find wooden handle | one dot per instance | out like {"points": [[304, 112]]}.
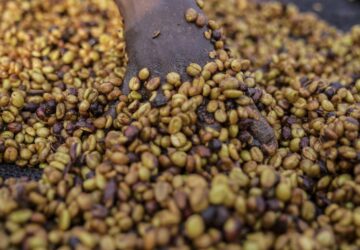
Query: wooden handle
{"points": [[133, 11]]}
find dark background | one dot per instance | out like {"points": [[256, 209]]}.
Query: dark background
{"points": [[341, 13]]}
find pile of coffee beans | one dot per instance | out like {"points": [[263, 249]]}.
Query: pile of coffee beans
{"points": [[119, 173]]}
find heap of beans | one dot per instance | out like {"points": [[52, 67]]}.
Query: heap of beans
{"points": [[122, 174]]}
